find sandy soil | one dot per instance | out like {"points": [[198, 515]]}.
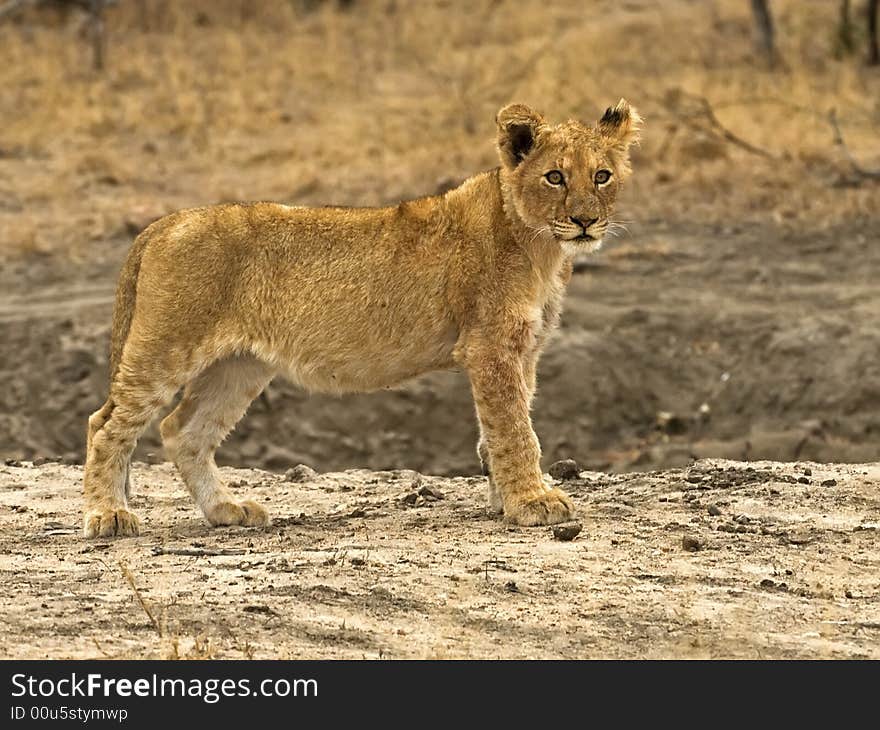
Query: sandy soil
{"points": [[721, 559]]}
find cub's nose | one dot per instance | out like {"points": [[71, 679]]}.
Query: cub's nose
{"points": [[584, 223]]}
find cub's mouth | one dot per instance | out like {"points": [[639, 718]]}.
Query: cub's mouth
{"points": [[583, 243], [578, 232]]}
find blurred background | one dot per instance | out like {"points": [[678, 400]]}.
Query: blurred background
{"points": [[739, 317]]}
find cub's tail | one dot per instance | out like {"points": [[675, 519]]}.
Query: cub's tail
{"points": [[123, 309]]}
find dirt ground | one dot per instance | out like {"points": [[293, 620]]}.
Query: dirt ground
{"points": [[721, 559], [680, 342]]}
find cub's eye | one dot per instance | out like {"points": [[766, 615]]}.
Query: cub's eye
{"points": [[602, 177], [554, 177]]}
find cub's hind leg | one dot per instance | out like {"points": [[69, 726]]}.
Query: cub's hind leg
{"points": [[96, 421], [113, 432], [211, 406]]}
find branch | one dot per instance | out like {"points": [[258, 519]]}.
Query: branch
{"points": [[727, 134], [677, 101], [126, 572], [195, 552], [860, 171]]}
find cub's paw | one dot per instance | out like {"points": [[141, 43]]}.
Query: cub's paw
{"points": [[547, 508], [246, 514], [111, 523]]}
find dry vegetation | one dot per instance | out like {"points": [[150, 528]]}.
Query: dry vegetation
{"points": [[205, 101]]}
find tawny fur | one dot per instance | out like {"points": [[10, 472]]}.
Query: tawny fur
{"points": [[219, 300]]}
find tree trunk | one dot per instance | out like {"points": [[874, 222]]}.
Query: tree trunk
{"points": [[873, 50], [96, 24], [765, 36], [844, 41]]}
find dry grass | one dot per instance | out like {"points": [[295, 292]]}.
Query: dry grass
{"points": [[386, 100]]}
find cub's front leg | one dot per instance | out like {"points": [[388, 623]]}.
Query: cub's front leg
{"points": [[502, 395]]}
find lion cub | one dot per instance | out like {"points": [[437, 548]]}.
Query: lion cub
{"points": [[220, 300]]}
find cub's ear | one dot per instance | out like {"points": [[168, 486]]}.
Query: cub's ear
{"points": [[620, 125], [518, 130]]}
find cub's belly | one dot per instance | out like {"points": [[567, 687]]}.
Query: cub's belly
{"points": [[357, 361]]}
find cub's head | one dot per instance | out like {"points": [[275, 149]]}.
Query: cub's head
{"points": [[564, 179]]}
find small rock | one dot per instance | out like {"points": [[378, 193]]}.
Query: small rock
{"points": [[430, 493], [773, 585], [40, 460], [567, 531], [410, 498], [12, 462], [300, 473], [357, 561], [803, 480], [713, 510], [829, 483], [565, 469], [511, 587], [807, 471], [691, 543], [799, 537], [259, 608]]}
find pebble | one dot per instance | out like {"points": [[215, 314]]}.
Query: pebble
{"points": [[565, 469], [430, 493], [691, 544], [300, 473], [713, 510], [567, 531]]}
